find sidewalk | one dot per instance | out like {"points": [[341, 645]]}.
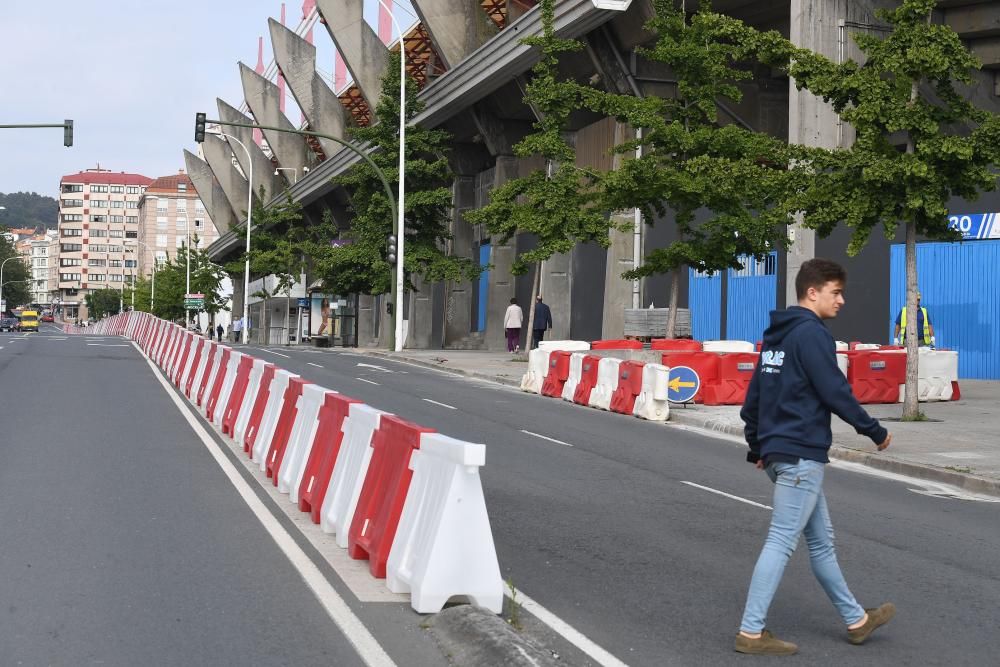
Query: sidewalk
{"points": [[960, 447]]}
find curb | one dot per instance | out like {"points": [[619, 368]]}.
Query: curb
{"points": [[973, 483], [472, 636]]}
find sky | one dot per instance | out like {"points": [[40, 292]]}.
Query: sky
{"points": [[131, 75]]}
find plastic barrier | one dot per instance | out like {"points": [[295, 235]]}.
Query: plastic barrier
{"points": [[175, 353], [676, 344], [237, 395], [538, 368], [616, 345], [728, 346], [186, 370], [564, 345], [260, 376], [218, 381], [629, 387], [350, 471], [182, 360], [275, 454], [323, 455], [651, 403], [169, 333], [588, 379], [197, 368], [386, 485], [300, 440], [843, 361], [260, 439], [705, 364], [937, 375], [573, 379], [735, 373], [875, 376], [607, 383], [216, 407], [841, 346], [213, 357], [443, 545], [557, 375], [855, 345]]}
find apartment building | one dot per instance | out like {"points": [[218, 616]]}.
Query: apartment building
{"points": [[98, 213], [44, 269], [170, 213]]}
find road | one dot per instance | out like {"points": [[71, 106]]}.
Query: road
{"points": [[120, 525]]}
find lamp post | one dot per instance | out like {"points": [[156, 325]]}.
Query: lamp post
{"points": [[295, 170], [152, 296], [1, 273]]}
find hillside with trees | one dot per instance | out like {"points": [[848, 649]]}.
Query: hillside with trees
{"points": [[28, 209]]}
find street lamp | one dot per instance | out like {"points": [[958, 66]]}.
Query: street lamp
{"points": [[305, 170], [152, 296], [1, 273]]}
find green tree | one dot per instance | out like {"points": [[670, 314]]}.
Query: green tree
{"points": [[16, 276], [103, 302], [29, 210], [919, 142], [171, 283], [143, 289], [559, 205], [692, 164]]}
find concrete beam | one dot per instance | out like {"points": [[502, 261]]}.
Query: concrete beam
{"points": [[263, 168], [297, 60], [498, 134], [457, 27], [974, 21], [290, 150], [233, 183], [210, 192], [987, 50], [364, 53]]}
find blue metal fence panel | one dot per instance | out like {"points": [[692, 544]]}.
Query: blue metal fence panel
{"points": [[751, 295], [484, 286], [958, 284], [705, 303]]}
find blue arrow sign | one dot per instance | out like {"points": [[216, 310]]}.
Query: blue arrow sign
{"points": [[682, 384]]}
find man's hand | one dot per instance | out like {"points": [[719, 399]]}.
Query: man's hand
{"points": [[885, 445], [759, 465], [895, 341]]}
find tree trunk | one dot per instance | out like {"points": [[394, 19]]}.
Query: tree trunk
{"points": [[288, 318], [531, 308], [911, 405], [675, 287]]}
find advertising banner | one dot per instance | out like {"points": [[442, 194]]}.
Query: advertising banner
{"points": [[322, 314], [976, 225]]}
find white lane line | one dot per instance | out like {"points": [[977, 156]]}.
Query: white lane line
{"points": [[312, 364], [443, 405], [727, 495], [567, 631], [354, 630], [368, 381], [108, 344], [545, 437], [272, 352]]}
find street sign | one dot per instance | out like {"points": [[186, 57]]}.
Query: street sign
{"points": [[195, 295], [194, 301], [682, 384]]}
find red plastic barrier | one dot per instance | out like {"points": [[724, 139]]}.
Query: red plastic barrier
{"points": [[203, 386], [260, 403], [676, 344], [629, 386], [705, 364], [875, 376], [220, 378], [324, 452], [283, 427], [735, 371], [588, 380], [182, 359], [194, 370], [557, 375], [956, 393], [625, 344], [175, 352], [381, 502], [164, 351], [235, 402]]}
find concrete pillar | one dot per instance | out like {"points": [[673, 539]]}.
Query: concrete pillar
{"points": [[457, 28], [234, 185], [366, 321], [364, 53], [210, 192], [502, 285], [621, 258], [420, 328], [263, 168], [297, 60], [458, 308], [290, 150]]}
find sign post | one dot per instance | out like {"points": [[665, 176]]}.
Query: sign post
{"points": [[194, 301]]}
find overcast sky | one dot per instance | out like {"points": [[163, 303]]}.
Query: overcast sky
{"points": [[131, 74]]}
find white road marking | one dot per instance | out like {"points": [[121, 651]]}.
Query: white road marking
{"points": [[354, 630], [108, 344], [727, 495], [368, 381], [545, 437], [443, 405], [567, 631], [378, 368], [312, 364], [272, 352], [925, 487]]}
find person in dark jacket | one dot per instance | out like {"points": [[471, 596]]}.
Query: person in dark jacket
{"points": [[795, 388], [543, 321]]}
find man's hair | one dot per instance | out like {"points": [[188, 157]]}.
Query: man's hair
{"points": [[513, 300], [816, 273]]}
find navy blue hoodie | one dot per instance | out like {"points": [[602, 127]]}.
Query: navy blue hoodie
{"points": [[801, 384]]}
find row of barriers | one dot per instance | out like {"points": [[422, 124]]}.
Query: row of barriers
{"points": [[402, 496]]}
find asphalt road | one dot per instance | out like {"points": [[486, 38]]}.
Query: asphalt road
{"points": [[606, 529]]}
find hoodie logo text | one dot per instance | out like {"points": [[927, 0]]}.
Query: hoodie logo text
{"points": [[771, 361]]}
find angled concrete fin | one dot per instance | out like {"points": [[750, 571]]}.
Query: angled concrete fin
{"points": [[457, 27], [365, 55], [263, 168], [290, 150], [210, 193], [235, 186]]}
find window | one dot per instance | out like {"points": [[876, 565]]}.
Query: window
{"points": [[71, 232], [180, 241], [118, 218], [131, 235], [181, 206], [67, 261], [98, 188], [98, 233], [182, 224], [131, 263], [132, 190], [68, 277], [97, 262], [116, 234], [98, 218], [98, 248], [161, 257], [131, 220], [72, 217], [70, 247], [117, 204], [117, 189], [199, 223], [161, 206], [72, 203], [182, 187], [41, 262], [116, 277], [98, 277], [132, 204], [115, 248], [115, 263], [161, 240], [199, 207], [98, 203], [72, 188]]}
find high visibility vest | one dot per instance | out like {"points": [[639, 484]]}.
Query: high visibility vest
{"points": [[927, 325]]}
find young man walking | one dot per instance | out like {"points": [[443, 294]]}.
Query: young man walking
{"points": [[795, 387]]}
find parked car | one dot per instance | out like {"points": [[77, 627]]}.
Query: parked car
{"points": [[47, 318], [9, 324]]}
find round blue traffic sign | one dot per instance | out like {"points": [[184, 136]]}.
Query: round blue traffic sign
{"points": [[682, 384]]}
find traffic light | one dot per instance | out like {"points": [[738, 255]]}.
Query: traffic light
{"points": [[199, 128], [68, 133], [391, 250]]}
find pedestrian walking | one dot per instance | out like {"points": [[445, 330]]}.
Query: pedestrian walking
{"points": [[925, 330], [219, 330], [795, 387], [542, 323], [513, 319], [237, 328]]}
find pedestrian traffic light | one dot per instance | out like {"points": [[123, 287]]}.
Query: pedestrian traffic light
{"points": [[199, 128], [68, 133], [391, 250]]}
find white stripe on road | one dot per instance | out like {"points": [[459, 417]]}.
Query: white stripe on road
{"points": [[354, 630], [312, 364], [108, 344], [443, 405], [727, 495], [545, 437], [368, 381], [272, 352]]}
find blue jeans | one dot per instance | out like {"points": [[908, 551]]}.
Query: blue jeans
{"points": [[799, 507]]}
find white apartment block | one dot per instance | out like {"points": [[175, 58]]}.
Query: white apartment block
{"points": [[44, 270], [171, 215]]}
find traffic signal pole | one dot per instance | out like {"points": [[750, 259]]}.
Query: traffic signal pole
{"points": [[66, 125]]}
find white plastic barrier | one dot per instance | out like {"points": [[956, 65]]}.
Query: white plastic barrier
{"points": [[937, 370], [212, 368], [575, 374], [607, 382], [728, 346], [300, 440], [565, 345], [229, 379], [349, 471], [275, 401], [538, 368], [867, 346], [651, 403], [843, 361], [200, 370], [192, 370], [842, 346], [166, 339], [443, 545], [249, 398]]}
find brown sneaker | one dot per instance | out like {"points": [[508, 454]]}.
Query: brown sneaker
{"points": [[876, 618], [766, 644]]}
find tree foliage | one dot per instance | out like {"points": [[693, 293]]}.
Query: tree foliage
{"points": [[276, 243], [16, 288], [103, 302], [29, 210], [171, 284]]}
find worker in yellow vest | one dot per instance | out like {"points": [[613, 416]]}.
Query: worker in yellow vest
{"points": [[925, 330]]}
